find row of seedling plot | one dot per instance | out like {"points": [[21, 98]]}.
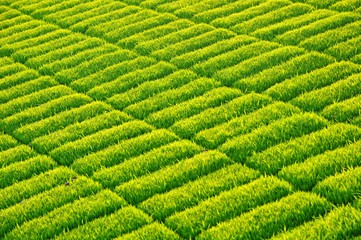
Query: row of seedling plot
{"points": [[146, 163], [256, 64], [247, 50], [346, 6], [340, 223], [346, 50], [318, 78], [213, 98], [343, 111], [192, 193], [228, 204], [169, 177], [332, 37], [148, 89], [219, 134], [259, 139], [305, 175], [208, 118], [271, 218], [169, 97], [249, 13], [119, 152], [70, 215], [297, 150], [296, 36], [318, 99], [272, 31], [297, 65], [272, 17]]}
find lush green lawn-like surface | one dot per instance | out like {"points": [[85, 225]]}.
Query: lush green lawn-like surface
{"points": [[180, 119]]}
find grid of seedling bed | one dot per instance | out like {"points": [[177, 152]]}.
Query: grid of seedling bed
{"points": [[180, 119]]}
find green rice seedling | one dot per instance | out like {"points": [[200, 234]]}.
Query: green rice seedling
{"points": [[22, 190], [7, 13], [345, 50], [271, 218], [192, 193], [154, 33], [103, 29], [63, 52], [15, 154], [45, 202], [32, 42], [188, 127], [200, 7], [249, 13], [146, 163], [78, 130], [122, 221], [271, 18], [305, 175], [34, 99], [152, 231], [7, 142], [279, 131], [330, 38], [8, 67], [225, 10], [357, 121], [25, 169], [31, 7], [103, 15], [28, 53], [98, 8], [346, 6], [298, 150], [295, 66], [72, 61], [74, 11], [323, 4], [12, 18], [187, 60], [68, 216], [17, 78], [231, 58], [125, 149], [26, 88], [149, 89], [343, 111], [9, 33], [217, 135], [53, 8], [139, 189], [172, 6], [215, 97], [171, 97], [341, 188], [95, 64], [272, 31], [192, 44], [318, 99], [48, 109], [356, 59], [152, 4], [230, 75], [110, 73], [325, 76], [172, 38], [340, 223], [139, 26], [131, 80], [67, 153], [5, 62], [227, 205], [294, 37], [48, 125]]}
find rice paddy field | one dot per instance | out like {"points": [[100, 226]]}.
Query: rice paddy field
{"points": [[180, 119]]}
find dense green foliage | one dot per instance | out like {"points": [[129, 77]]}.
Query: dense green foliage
{"points": [[180, 119]]}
